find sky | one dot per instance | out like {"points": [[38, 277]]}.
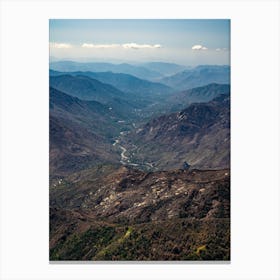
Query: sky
{"points": [[187, 42]]}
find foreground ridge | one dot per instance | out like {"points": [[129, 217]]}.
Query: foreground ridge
{"points": [[127, 214]]}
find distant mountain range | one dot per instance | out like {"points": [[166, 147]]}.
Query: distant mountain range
{"points": [[138, 71], [180, 100], [198, 76], [89, 89], [165, 68], [136, 92], [176, 77], [85, 88], [139, 88]]}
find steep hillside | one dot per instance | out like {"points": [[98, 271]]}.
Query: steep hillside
{"points": [[89, 89], [198, 136], [80, 133], [110, 213], [85, 88], [73, 148], [180, 100], [92, 115]]}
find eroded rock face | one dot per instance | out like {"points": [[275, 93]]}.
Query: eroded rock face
{"points": [[131, 194]]}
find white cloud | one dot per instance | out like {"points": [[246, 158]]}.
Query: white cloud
{"points": [[199, 48], [100, 46], [125, 46], [139, 46], [60, 45]]}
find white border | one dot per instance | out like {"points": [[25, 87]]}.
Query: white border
{"points": [[255, 138]]}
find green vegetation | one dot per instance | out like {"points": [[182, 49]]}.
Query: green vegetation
{"points": [[180, 239], [86, 244], [116, 213]]}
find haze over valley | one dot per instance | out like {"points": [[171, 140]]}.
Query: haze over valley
{"points": [[139, 154], [105, 136]]}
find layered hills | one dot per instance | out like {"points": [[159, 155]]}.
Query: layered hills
{"points": [[138, 170], [135, 70], [198, 76], [92, 115], [89, 89], [182, 99], [141, 93]]}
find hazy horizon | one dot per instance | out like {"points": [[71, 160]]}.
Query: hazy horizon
{"points": [[112, 61], [184, 42]]}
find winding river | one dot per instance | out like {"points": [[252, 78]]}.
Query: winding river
{"points": [[124, 158]]}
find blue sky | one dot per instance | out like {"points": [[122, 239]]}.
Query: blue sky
{"points": [[189, 42]]}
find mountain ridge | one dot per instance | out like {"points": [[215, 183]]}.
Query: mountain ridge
{"points": [[198, 135], [124, 82], [138, 71], [198, 76], [166, 215]]}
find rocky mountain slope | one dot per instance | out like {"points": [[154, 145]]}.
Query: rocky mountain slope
{"points": [[111, 213], [198, 136]]}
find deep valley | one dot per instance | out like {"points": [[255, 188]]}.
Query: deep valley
{"points": [[139, 162]]}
